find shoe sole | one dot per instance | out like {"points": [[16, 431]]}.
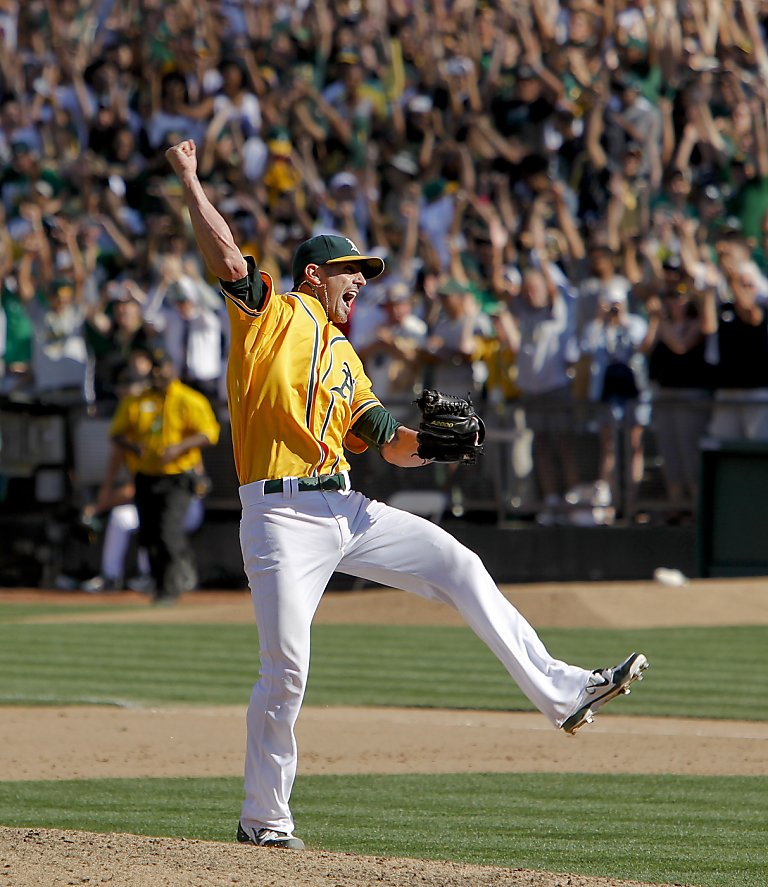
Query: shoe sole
{"points": [[586, 714], [287, 844]]}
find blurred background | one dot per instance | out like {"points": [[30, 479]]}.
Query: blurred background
{"points": [[572, 202]]}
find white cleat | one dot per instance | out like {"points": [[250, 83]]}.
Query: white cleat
{"points": [[603, 685], [267, 837]]}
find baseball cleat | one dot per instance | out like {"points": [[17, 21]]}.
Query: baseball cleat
{"points": [[603, 685], [267, 837]]}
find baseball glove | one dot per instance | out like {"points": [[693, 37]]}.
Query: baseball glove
{"points": [[450, 429]]}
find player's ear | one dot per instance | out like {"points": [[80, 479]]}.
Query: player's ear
{"points": [[310, 274]]}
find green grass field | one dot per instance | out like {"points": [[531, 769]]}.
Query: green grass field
{"points": [[59, 664], [704, 831]]}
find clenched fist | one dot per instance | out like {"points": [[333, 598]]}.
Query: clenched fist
{"points": [[183, 158]]}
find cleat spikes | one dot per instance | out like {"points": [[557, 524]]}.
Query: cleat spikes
{"points": [[603, 686]]}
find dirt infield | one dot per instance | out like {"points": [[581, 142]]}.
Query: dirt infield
{"points": [[80, 742], [39, 858]]}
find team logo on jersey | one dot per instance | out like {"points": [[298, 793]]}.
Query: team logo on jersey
{"points": [[347, 388]]}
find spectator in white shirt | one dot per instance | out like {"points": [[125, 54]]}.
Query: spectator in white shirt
{"points": [[390, 354], [546, 350], [193, 339]]}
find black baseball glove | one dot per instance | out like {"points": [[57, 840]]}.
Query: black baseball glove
{"points": [[450, 429]]}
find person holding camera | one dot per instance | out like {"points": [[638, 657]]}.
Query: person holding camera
{"points": [[613, 342]]}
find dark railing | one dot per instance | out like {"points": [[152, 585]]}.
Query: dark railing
{"points": [[509, 481], [52, 460], [61, 455]]}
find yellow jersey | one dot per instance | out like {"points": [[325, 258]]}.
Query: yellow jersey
{"points": [[155, 420], [295, 387]]}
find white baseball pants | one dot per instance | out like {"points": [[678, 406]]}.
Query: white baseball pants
{"points": [[124, 520], [292, 542]]}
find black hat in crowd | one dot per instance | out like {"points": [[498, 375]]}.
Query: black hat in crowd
{"points": [[159, 357]]}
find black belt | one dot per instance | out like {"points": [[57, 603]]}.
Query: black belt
{"points": [[321, 482]]}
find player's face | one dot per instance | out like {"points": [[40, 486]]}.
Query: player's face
{"points": [[343, 283]]}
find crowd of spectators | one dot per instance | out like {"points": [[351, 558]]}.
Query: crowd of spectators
{"points": [[571, 198]]}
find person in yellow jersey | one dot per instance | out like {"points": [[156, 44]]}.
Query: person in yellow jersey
{"points": [[298, 396], [162, 430]]}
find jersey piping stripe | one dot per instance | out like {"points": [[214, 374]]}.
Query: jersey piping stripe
{"points": [[327, 419], [324, 449], [330, 345], [313, 383], [266, 281], [240, 305], [362, 408]]}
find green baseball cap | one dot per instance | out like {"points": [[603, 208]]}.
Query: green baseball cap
{"points": [[332, 249]]}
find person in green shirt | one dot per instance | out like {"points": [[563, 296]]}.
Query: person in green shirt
{"points": [[750, 198], [17, 352]]}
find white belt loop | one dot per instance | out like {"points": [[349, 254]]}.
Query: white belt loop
{"points": [[252, 492], [290, 487]]}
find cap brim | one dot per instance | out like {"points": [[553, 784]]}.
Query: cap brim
{"points": [[371, 266]]}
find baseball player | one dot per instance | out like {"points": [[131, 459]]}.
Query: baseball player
{"points": [[298, 397]]}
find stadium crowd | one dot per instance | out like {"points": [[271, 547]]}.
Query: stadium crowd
{"points": [[571, 198]]}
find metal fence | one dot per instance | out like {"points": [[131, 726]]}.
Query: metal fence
{"points": [[511, 479], [61, 455]]}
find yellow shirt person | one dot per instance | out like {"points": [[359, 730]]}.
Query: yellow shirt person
{"points": [[161, 431], [156, 420]]}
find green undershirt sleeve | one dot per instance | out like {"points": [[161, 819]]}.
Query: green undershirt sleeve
{"points": [[249, 289], [376, 427]]}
